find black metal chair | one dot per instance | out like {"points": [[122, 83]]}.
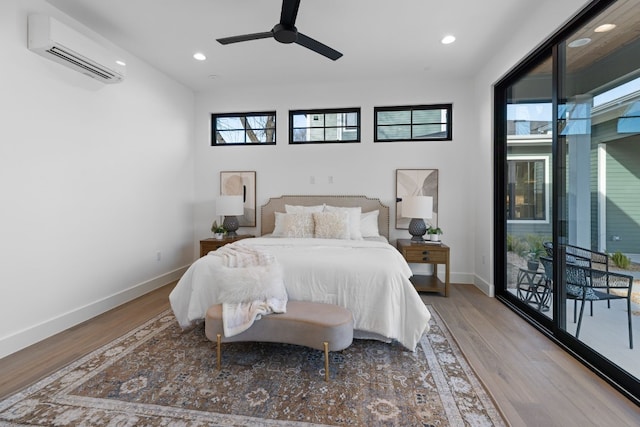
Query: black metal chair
{"points": [[585, 258], [590, 284]]}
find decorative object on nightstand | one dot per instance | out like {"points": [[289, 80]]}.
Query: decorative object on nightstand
{"points": [[218, 230], [417, 208], [427, 253], [434, 233], [229, 207]]}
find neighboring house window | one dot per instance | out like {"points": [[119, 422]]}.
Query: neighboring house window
{"points": [[527, 190], [324, 126], [243, 128], [413, 123]]}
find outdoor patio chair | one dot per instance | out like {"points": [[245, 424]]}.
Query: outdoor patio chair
{"points": [[590, 284], [583, 284], [585, 258]]}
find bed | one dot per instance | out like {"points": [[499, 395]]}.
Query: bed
{"points": [[361, 272]]}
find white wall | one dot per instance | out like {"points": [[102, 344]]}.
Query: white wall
{"points": [[95, 179], [366, 168], [524, 37]]}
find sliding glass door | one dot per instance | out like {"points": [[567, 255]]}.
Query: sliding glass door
{"points": [[599, 149], [527, 202], [568, 189]]}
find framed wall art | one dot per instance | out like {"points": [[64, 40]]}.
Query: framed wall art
{"points": [[416, 182], [234, 183]]}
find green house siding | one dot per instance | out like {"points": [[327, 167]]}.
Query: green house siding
{"points": [[623, 195]]}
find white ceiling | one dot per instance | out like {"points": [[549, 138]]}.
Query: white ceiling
{"points": [[379, 38]]}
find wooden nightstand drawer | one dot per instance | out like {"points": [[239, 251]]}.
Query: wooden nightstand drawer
{"points": [[425, 255], [208, 245]]}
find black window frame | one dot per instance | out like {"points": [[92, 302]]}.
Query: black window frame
{"points": [[411, 108], [325, 111], [214, 129]]}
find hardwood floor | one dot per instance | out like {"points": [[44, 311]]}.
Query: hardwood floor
{"points": [[534, 382], [27, 366]]}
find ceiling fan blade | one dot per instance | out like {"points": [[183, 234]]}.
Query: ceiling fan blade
{"points": [[245, 37], [289, 12], [318, 47]]}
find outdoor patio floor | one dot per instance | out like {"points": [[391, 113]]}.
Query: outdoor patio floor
{"points": [[606, 331]]}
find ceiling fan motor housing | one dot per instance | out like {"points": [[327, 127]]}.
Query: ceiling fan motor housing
{"points": [[285, 34]]}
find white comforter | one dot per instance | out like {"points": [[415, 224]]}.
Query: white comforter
{"points": [[369, 278]]}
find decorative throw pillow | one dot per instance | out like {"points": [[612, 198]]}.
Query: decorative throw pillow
{"points": [[331, 225], [294, 209], [298, 225], [354, 220], [278, 228], [369, 224]]}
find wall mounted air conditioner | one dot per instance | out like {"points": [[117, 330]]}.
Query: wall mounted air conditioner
{"points": [[60, 43]]}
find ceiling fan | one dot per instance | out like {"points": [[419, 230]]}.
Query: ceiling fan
{"points": [[286, 32]]}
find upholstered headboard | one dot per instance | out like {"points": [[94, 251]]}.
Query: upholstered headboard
{"points": [[276, 204]]}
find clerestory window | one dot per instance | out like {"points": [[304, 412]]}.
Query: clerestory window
{"points": [[243, 128], [324, 126], [413, 123]]}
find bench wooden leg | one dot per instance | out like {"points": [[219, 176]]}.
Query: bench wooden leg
{"points": [[326, 360], [218, 350]]}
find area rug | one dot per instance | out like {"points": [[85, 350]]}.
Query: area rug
{"points": [[158, 375]]}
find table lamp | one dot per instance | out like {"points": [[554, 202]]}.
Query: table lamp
{"points": [[229, 207], [417, 208]]}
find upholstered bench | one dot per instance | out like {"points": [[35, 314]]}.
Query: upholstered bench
{"points": [[320, 326]]}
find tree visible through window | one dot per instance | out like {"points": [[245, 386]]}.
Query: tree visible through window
{"points": [[526, 191], [243, 128]]}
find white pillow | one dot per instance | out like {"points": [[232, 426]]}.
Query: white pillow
{"points": [[293, 209], [369, 224], [331, 225], [298, 225], [354, 220], [278, 227]]}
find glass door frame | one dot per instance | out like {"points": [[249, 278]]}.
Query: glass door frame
{"points": [[554, 327]]}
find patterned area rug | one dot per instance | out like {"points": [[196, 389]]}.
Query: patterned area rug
{"points": [[157, 375]]}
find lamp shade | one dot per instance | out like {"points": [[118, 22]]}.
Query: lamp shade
{"points": [[229, 205], [417, 207]]}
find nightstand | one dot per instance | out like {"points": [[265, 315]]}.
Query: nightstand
{"points": [[211, 244], [427, 253]]}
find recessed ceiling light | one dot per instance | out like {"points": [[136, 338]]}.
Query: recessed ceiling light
{"points": [[199, 56], [580, 42], [119, 62], [604, 28], [448, 39]]}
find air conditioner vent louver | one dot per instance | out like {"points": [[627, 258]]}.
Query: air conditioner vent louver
{"points": [[78, 61], [53, 40]]}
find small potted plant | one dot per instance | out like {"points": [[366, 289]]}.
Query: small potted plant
{"points": [[434, 233], [218, 230], [533, 261]]}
